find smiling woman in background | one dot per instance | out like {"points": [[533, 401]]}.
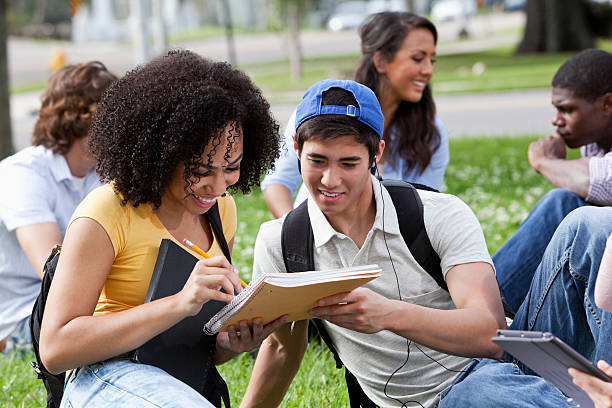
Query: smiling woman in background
{"points": [[398, 54]]}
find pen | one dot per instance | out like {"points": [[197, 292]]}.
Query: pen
{"points": [[205, 255]]}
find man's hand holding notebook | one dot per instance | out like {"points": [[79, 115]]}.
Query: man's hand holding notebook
{"points": [[273, 295]]}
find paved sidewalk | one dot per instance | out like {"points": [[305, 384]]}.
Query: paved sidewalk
{"points": [[492, 114], [28, 59], [499, 114]]}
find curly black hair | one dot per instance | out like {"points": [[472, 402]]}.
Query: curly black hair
{"points": [[166, 112]]}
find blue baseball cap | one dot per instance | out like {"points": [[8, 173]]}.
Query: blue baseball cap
{"points": [[367, 112]]}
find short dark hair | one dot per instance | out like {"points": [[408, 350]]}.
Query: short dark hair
{"points": [[167, 112], [68, 104], [324, 127], [587, 74]]}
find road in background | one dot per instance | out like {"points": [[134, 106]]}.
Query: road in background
{"points": [[29, 59], [496, 115], [499, 114]]}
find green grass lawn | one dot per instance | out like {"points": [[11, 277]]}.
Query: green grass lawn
{"points": [[490, 174]]}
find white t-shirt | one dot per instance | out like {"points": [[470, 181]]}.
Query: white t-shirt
{"points": [[456, 236], [36, 187]]}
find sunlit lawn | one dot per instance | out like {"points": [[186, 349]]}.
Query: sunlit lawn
{"points": [[491, 175]]}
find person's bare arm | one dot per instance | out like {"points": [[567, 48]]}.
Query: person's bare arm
{"points": [[278, 198], [278, 360], [37, 240], [547, 156], [478, 315], [603, 284]]}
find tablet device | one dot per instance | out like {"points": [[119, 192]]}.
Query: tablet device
{"points": [[550, 358]]}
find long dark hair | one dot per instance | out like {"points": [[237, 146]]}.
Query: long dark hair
{"points": [[417, 136]]}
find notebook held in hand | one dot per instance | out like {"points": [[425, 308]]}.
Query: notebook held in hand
{"points": [[272, 295]]}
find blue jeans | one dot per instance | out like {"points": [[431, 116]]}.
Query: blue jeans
{"points": [[121, 383], [516, 261], [20, 338], [560, 300]]}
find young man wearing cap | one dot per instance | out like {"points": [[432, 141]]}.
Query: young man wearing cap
{"points": [[403, 337]]}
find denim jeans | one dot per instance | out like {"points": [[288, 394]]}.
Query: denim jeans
{"points": [[20, 338], [121, 383], [560, 300], [516, 261]]}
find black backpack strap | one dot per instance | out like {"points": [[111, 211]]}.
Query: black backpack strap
{"points": [[357, 398], [409, 209], [297, 242], [298, 254], [214, 219], [54, 383], [215, 388]]}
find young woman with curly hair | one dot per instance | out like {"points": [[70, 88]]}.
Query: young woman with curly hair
{"points": [[41, 186], [170, 138], [398, 53]]}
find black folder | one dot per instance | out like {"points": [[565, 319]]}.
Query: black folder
{"points": [[184, 349]]}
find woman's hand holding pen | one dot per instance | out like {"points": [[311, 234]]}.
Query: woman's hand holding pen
{"points": [[207, 279]]}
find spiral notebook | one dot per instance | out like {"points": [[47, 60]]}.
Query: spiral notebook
{"points": [[275, 294]]}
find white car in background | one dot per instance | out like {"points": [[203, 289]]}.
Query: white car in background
{"points": [[351, 14], [446, 10]]}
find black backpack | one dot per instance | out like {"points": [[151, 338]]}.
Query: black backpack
{"points": [[299, 257], [215, 389], [54, 383]]}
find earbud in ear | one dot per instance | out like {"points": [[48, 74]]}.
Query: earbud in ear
{"points": [[374, 170]]}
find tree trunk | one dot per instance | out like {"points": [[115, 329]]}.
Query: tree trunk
{"points": [[556, 26], [40, 12], [295, 48], [229, 33], [6, 142], [140, 34], [160, 41]]}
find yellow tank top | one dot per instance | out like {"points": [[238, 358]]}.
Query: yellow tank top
{"points": [[136, 234]]}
